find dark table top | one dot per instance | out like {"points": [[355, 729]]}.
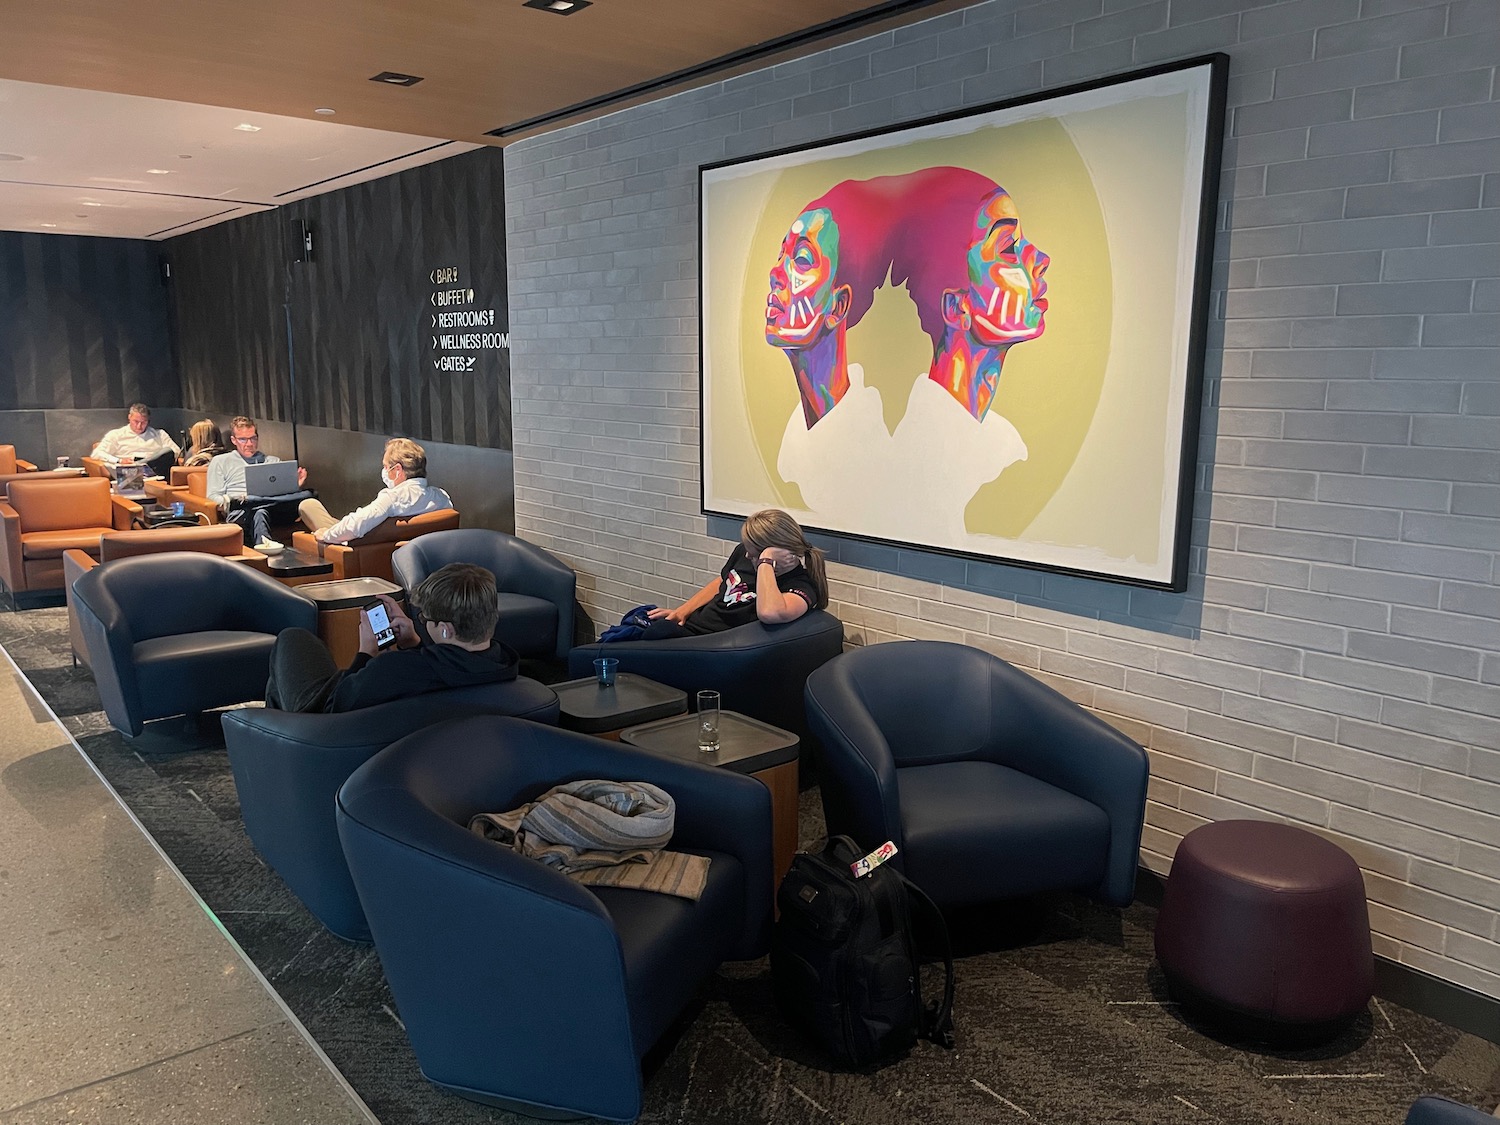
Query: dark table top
{"points": [[746, 745], [346, 593], [293, 564], [585, 706]]}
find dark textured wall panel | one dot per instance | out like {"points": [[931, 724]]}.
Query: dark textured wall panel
{"points": [[363, 317], [83, 324]]}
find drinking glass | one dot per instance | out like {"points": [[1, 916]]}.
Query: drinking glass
{"points": [[708, 721], [604, 670], [62, 462]]}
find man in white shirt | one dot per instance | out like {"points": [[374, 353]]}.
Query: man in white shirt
{"points": [[138, 440], [403, 471], [226, 482]]}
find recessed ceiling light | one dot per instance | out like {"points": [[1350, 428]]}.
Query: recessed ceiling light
{"points": [[558, 7], [158, 171], [245, 127], [395, 78], [325, 112], [50, 225], [91, 203], [11, 156]]}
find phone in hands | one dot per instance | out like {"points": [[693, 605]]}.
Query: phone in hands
{"points": [[380, 625]]}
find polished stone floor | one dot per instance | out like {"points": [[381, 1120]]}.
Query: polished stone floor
{"points": [[122, 1000]]}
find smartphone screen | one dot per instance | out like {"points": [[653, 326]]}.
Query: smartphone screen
{"points": [[380, 625]]}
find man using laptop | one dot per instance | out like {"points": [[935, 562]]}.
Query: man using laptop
{"points": [[226, 483]]}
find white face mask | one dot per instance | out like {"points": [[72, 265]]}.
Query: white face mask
{"points": [[385, 479]]}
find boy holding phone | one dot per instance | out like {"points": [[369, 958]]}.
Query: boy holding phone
{"points": [[459, 607]]}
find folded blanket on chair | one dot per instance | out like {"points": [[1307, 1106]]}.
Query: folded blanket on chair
{"points": [[601, 833]]}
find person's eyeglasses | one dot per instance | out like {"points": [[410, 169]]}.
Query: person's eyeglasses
{"points": [[251, 440]]}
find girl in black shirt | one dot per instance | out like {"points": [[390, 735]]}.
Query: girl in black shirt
{"points": [[775, 575]]}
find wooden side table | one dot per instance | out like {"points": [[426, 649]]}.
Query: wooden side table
{"points": [[586, 707], [748, 746], [339, 605]]}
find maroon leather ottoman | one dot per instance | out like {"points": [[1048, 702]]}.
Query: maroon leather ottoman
{"points": [[1269, 922]]}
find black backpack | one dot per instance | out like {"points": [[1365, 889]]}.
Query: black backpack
{"points": [[844, 963]]}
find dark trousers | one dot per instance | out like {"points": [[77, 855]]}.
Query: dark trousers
{"points": [[303, 672], [254, 520]]}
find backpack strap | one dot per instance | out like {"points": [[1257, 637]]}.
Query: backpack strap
{"points": [[937, 1015]]}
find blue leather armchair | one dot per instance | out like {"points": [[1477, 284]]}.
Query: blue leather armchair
{"points": [[991, 784], [759, 670], [288, 768], [519, 987], [174, 634], [537, 590], [1433, 1110]]}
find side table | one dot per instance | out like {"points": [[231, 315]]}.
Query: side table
{"points": [[586, 707], [293, 568], [339, 605], [746, 745]]}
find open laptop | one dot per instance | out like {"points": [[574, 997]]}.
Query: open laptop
{"points": [[270, 480], [130, 481]]}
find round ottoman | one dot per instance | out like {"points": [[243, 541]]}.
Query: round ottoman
{"points": [[1269, 922]]}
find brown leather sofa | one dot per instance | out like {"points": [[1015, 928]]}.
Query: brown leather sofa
{"points": [[221, 539], [42, 519], [369, 556], [10, 463]]}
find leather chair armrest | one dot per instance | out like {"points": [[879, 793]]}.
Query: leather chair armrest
{"points": [[307, 543], [1434, 1110], [12, 566], [107, 633], [539, 574], [125, 513], [24, 466], [253, 559], [96, 468], [864, 802], [163, 492], [76, 563], [198, 505]]}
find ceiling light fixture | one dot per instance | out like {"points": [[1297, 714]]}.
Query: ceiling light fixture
{"points": [[326, 112], [558, 7], [158, 171], [243, 127], [395, 78]]}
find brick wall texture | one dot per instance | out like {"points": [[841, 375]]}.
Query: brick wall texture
{"points": [[1335, 661]]}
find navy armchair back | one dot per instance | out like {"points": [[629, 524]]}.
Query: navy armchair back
{"points": [[991, 784], [537, 590], [759, 670], [173, 634], [519, 987], [288, 768], [1433, 1110]]}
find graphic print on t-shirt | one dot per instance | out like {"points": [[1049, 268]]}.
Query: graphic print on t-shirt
{"points": [[736, 591]]}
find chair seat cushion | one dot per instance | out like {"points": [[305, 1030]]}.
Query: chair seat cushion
{"points": [[527, 624], [51, 544], [977, 831], [670, 944], [200, 671]]}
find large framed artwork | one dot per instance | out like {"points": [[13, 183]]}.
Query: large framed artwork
{"points": [[980, 334]]}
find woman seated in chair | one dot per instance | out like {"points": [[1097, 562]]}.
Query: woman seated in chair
{"points": [[775, 575], [205, 442]]}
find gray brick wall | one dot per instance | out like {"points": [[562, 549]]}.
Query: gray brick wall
{"points": [[1335, 661]]}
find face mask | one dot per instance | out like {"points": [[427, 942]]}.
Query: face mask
{"points": [[385, 479]]}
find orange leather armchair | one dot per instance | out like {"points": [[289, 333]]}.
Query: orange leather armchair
{"points": [[10, 463], [42, 519], [97, 468], [221, 539], [369, 556]]}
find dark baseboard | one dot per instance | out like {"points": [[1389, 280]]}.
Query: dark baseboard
{"points": [[1453, 1004]]}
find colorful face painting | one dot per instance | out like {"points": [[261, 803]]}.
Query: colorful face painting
{"points": [[1006, 301], [801, 295]]}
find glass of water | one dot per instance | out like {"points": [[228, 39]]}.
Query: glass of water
{"points": [[708, 721]]}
